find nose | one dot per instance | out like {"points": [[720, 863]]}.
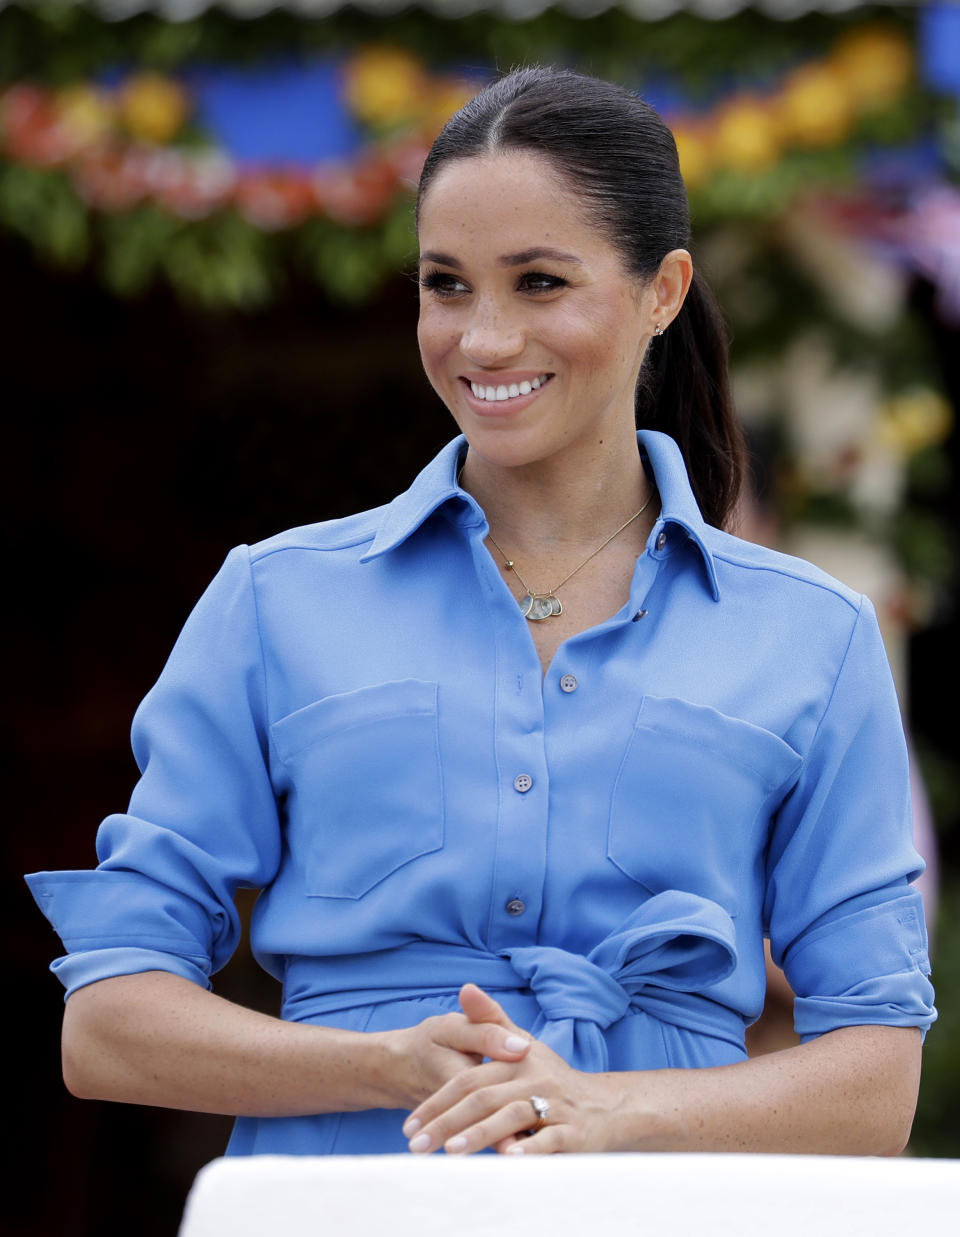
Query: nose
{"points": [[491, 337]]}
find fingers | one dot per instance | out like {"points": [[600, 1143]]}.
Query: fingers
{"points": [[484, 1039], [479, 1006], [547, 1141], [439, 1105], [483, 1118]]}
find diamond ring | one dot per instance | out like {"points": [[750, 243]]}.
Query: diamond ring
{"points": [[541, 1108]]}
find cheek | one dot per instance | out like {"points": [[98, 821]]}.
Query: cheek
{"points": [[434, 346], [434, 334], [427, 343]]}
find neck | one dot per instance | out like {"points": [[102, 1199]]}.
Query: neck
{"points": [[556, 503]]}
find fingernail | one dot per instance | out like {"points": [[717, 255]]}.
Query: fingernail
{"points": [[455, 1144], [514, 1043], [420, 1143], [516, 1149], [410, 1127]]}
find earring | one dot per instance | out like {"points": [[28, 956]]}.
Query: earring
{"points": [[658, 329]]}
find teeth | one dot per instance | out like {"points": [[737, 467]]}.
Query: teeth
{"points": [[502, 392]]}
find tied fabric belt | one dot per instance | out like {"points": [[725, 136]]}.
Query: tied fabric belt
{"points": [[657, 962]]}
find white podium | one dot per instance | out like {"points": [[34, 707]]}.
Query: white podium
{"points": [[666, 1195]]}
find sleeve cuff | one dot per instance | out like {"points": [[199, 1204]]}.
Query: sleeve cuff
{"points": [[101, 910], [77, 970], [826, 970]]}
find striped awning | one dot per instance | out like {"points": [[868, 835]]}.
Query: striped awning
{"points": [[517, 10]]}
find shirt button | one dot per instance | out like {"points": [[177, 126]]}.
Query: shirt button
{"points": [[522, 782], [661, 541], [568, 683], [516, 906]]}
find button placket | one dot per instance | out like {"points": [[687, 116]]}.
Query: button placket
{"points": [[520, 854]]}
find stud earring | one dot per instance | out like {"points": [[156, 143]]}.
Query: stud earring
{"points": [[658, 329]]}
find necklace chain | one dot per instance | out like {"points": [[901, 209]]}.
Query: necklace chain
{"points": [[538, 606]]}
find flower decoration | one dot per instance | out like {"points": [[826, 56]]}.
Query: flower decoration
{"points": [[150, 141], [390, 90], [914, 421], [817, 105], [152, 108]]}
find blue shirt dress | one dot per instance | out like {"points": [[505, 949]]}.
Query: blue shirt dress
{"points": [[354, 720]]}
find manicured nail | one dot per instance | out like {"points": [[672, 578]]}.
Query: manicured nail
{"points": [[514, 1043], [410, 1127], [516, 1149], [420, 1143], [455, 1144]]}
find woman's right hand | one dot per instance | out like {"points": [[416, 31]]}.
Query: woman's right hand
{"points": [[427, 1055], [156, 1038]]}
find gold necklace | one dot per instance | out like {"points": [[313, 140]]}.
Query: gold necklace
{"points": [[537, 606]]}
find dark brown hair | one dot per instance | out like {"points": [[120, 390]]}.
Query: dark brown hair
{"points": [[618, 156]]}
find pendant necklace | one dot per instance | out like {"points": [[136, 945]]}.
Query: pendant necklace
{"points": [[538, 606]]}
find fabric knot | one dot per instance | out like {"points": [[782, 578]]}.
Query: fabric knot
{"points": [[568, 985], [675, 941]]}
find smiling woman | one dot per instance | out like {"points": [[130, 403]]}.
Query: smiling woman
{"points": [[563, 318], [518, 861]]}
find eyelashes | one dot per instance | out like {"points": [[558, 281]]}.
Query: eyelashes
{"points": [[442, 284], [446, 286]]}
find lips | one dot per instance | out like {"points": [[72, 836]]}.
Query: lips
{"points": [[501, 391]]}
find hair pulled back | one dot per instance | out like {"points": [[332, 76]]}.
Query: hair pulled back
{"points": [[617, 155]]}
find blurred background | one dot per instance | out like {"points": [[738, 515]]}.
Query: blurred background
{"points": [[208, 335]]}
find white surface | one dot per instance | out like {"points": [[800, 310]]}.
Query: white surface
{"points": [[567, 1195]]}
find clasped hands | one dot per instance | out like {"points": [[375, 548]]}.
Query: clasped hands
{"points": [[487, 1103]]}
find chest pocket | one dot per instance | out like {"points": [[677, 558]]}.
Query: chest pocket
{"points": [[365, 793], [692, 798]]}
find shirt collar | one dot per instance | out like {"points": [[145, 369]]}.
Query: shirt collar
{"points": [[433, 487], [436, 485], [680, 516]]}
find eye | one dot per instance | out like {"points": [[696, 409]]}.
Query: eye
{"points": [[442, 284], [538, 281]]}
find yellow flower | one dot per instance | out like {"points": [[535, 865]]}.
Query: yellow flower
{"points": [[153, 108], [814, 106], [915, 420], [86, 111], [745, 136], [447, 96], [386, 87], [693, 148], [876, 64]]}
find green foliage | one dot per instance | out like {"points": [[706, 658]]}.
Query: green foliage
{"points": [[924, 546], [42, 207], [353, 263], [59, 42], [936, 1131]]}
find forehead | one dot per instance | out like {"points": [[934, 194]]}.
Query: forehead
{"points": [[508, 201]]}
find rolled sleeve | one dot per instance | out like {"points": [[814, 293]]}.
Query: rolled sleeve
{"points": [[844, 922], [202, 819]]}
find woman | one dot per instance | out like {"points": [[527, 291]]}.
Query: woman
{"points": [[592, 804]]}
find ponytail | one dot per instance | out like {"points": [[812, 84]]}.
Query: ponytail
{"points": [[684, 390]]}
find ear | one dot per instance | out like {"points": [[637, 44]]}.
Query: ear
{"points": [[670, 286]]}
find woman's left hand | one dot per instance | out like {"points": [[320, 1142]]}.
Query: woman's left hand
{"points": [[490, 1104]]}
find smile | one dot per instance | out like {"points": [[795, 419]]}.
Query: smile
{"points": [[508, 391]]}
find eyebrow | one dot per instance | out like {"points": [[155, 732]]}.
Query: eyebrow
{"points": [[508, 259]]}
